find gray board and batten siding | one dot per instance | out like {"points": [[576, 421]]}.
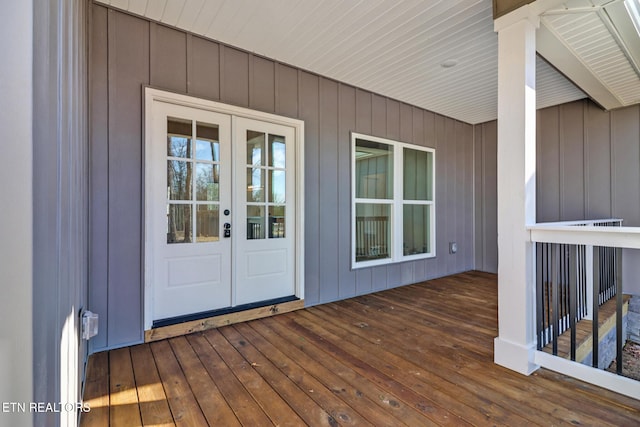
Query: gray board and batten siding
{"points": [[129, 53], [60, 201], [588, 167]]}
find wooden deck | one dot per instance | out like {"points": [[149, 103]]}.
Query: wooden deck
{"points": [[418, 355]]}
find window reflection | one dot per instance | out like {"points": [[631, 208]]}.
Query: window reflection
{"points": [[255, 186], [179, 180], [418, 175], [179, 229], [276, 222], [179, 135], [207, 145], [207, 182], [416, 229], [373, 231], [255, 222], [277, 186], [374, 170], [208, 223], [255, 148], [277, 152]]}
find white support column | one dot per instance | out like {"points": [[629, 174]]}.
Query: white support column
{"points": [[515, 345]]}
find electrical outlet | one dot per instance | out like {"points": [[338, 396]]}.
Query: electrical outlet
{"points": [[89, 325]]}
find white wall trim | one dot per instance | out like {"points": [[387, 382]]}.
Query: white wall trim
{"points": [[514, 356], [608, 380]]}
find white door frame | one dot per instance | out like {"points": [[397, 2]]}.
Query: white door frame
{"points": [[152, 96]]}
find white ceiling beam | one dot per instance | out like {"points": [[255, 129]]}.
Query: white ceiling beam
{"points": [[553, 49]]}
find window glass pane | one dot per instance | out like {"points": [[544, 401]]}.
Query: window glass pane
{"points": [[276, 186], [373, 231], [179, 229], [208, 223], [418, 175], [179, 180], [255, 148], [255, 222], [179, 138], [374, 170], [207, 150], [277, 152], [207, 145], [255, 185], [416, 229], [207, 182], [276, 222]]}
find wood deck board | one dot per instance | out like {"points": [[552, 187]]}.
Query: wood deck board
{"points": [[375, 404], [123, 392], [213, 404], [240, 401], [469, 363], [96, 391], [255, 348], [269, 400], [379, 370], [423, 373], [154, 408], [417, 355], [183, 404], [308, 376]]}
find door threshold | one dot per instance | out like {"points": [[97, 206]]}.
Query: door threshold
{"points": [[183, 325]]}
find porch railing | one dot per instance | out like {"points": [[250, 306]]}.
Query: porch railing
{"points": [[372, 237], [565, 283], [580, 266]]}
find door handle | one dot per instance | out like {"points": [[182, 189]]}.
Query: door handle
{"points": [[227, 229]]}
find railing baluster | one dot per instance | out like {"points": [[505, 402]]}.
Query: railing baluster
{"points": [[555, 256], [619, 298], [548, 290], [539, 297], [573, 286], [596, 293]]}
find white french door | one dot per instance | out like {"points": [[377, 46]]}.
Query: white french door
{"points": [[265, 211], [220, 211]]}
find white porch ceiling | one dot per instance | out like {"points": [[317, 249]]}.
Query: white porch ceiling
{"points": [[595, 43], [394, 48]]}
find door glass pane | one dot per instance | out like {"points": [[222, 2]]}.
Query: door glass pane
{"points": [[208, 223], [179, 180], [276, 222], [277, 186], [416, 229], [255, 185], [179, 138], [179, 229], [277, 154], [207, 145], [374, 170], [207, 182], [255, 222], [255, 148], [418, 175], [373, 231]]}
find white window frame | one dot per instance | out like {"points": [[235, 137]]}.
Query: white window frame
{"points": [[396, 202]]}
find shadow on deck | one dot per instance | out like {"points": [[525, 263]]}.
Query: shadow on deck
{"points": [[417, 355]]}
